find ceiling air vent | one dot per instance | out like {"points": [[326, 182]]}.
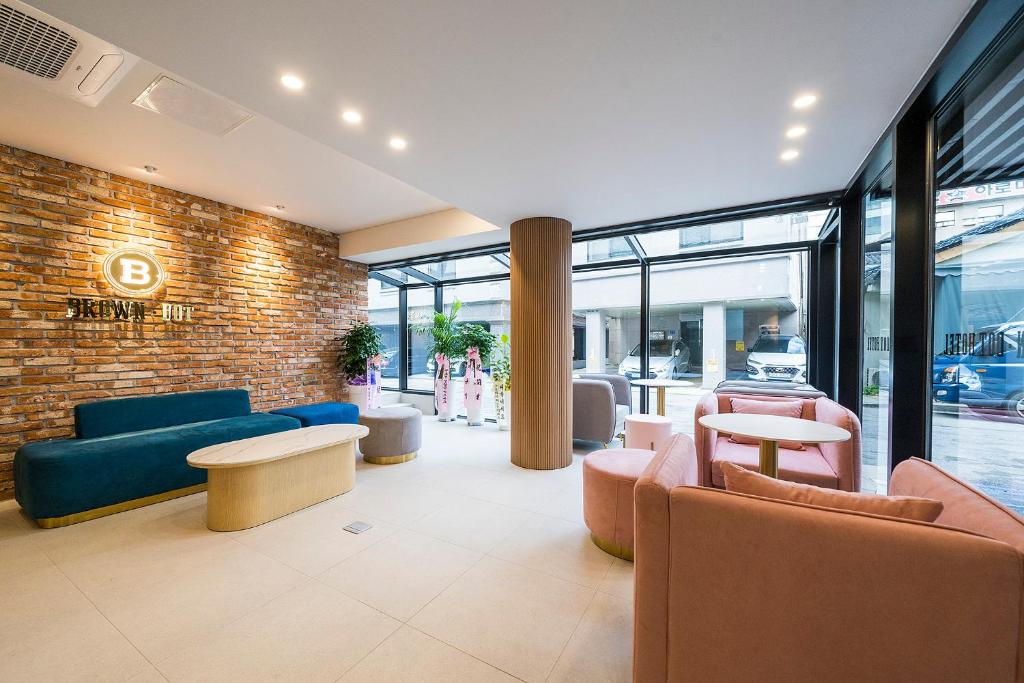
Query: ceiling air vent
{"points": [[33, 46]]}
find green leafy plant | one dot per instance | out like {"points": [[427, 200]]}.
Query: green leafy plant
{"points": [[501, 364], [470, 335], [871, 390], [444, 332], [359, 343]]}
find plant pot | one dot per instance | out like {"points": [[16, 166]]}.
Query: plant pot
{"points": [[503, 408], [473, 388], [442, 389], [357, 394]]}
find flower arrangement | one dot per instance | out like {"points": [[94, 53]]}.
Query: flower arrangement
{"points": [[358, 345], [501, 364]]}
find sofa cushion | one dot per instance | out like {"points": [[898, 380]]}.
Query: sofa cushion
{"points": [[805, 467], [123, 415], [58, 478], [326, 413], [963, 506], [741, 480], [754, 407]]}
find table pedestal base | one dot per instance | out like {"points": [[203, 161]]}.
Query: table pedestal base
{"points": [[769, 458], [243, 497]]}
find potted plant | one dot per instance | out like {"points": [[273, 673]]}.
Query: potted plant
{"points": [[475, 344], [501, 382], [446, 347], [359, 361]]}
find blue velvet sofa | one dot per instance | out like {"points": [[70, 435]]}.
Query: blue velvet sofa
{"points": [[131, 452]]}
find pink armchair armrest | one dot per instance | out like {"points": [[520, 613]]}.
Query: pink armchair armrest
{"points": [[704, 438], [843, 456]]}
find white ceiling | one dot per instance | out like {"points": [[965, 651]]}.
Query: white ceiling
{"points": [[258, 166], [599, 111]]}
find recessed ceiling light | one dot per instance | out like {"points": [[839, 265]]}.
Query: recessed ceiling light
{"points": [[789, 155], [397, 143], [352, 116], [805, 101], [292, 82], [796, 132]]}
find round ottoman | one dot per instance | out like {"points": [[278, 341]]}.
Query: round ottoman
{"points": [[608, 479], [647, 431], [394, 435]]}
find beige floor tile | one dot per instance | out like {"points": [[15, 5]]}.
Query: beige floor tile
{"points": [[314, 539], [402, 501], [601, 649], [556, 547], [567, 504], [460, 479], [311, 633], [402, 573], [14, 523], [164, 598], [20, 555], [150, 675], [471, 523], [619, 579], [511, 617], [410, 656], [154, 526], [49, 631], [522, 489]]}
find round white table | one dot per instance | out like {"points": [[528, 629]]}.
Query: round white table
{"points": [[770, 430], [661, 385]]}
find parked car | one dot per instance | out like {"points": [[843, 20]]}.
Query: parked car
{"points": [[670, 358], [989, 377], [780, 357]]}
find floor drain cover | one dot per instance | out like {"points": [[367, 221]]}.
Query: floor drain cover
{"points": [[357, 527]]}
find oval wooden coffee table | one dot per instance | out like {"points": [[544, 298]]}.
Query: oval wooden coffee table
{"points": [[255, 480]]}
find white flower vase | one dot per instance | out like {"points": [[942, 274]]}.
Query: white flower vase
{"points": [[357, 394], [442, 385], [503, 408], [473, 388]]}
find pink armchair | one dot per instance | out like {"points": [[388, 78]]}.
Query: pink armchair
{"points": [[731, 587], [832, 465]]}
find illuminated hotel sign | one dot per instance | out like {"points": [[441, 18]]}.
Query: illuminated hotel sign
{"points": [[133, 272]]}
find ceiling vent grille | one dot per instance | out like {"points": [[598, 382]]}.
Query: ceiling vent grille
{"points": [[33, 46]]}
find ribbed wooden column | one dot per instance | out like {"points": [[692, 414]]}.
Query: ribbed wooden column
{"points": [[541, 259]]}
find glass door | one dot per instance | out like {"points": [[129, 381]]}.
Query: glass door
{"points": [[978, 266], [877, 335]]}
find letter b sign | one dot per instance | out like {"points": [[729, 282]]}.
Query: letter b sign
{"points": [[133, 271]]}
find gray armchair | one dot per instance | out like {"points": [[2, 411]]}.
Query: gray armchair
{"points": [[600, 402]]}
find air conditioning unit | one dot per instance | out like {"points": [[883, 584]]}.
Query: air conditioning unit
{"points": [[58, 57]]}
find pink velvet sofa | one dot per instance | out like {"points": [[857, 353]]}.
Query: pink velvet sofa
{"points": [[731, 587], [832, 465]]}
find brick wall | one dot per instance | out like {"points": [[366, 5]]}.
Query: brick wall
{"points": [[270, 297]]}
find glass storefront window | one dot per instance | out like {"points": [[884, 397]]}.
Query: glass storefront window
{"points": [[471, 266], [978, 364], [877, 336], [487, 304], [420, 301], [788, 227], [382, 302], [606, 323], [737, 318]]}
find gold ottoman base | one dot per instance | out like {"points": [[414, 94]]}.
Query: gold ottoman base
{"points": [[389, 459], [613, 548]]}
